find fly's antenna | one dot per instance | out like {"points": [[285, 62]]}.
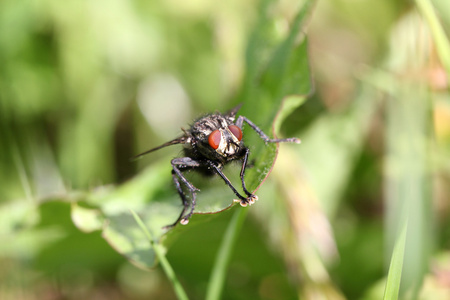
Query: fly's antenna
{"points": [[179, 140]]}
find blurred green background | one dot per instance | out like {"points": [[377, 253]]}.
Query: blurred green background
{"points": [[85, 85]]}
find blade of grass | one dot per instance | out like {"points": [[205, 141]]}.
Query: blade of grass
{"points": [[216, 282], [159, 252], [395, 269], [408, 167], [441, 40]]}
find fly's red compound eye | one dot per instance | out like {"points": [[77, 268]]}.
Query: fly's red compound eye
{"points": [[214, 139], [236, 131]]}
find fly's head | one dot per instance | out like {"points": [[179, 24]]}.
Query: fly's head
{"points": [[218, 137], [226, 141]]}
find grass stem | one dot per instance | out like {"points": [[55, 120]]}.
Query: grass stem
{"points": [[218, 274], [159, 252]]}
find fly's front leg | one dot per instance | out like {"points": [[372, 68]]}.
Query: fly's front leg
{"points": [[240, 120], [244, 201], [177, 164]]}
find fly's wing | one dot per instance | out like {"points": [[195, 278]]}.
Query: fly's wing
{"points": [[179, 140], [231, 114]]}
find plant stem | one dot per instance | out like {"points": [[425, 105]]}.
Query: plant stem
{"points": [[159, 252], [218, 274]]}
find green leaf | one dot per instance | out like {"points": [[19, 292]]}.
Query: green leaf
{"points": [[86, 219], [125, 236], [267, 87], [20, 235]]}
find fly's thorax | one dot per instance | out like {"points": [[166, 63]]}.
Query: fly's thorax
{"points": [[203, 127]]}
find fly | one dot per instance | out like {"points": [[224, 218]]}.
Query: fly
{"points": [[211, 143]]}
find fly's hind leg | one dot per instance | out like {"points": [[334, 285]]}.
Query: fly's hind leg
{"points": [[179, 165], [184, 200]]}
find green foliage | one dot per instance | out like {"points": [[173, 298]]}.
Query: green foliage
{"points": [[285, 70], [86, 85]]}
